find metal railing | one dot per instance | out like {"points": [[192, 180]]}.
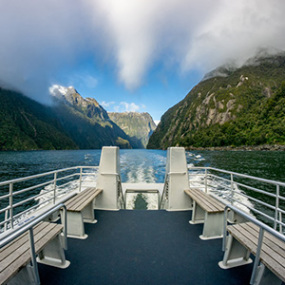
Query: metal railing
{"points": [[120, 194], [262, 197], [165, 194], [262, 228], [29, 227], [20, 197]]}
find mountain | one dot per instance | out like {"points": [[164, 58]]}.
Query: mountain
{"points": [[138, 126], [85, 121], [28, 125], [229, 107], [72, 122]]}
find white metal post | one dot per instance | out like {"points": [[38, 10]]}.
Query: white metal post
{"points": [[80, 179], [276, 206], [33, 257], [232, 189], [11, 204], [257, 256], [54, 188], [206, 180]]}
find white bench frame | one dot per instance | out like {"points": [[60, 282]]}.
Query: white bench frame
{"points": [[207, 210], [80, 210], [50, 252], [237, 252]]}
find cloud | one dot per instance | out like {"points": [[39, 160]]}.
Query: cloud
{"points": [[41, 39], [236, 32], [127, 107], [107, 104]]}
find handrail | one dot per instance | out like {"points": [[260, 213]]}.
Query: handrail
{"points": [[11, 201], [29, 227], [36, 176], [263, 227], [120, 194], [164, 196], [248, 176], [21, 229], [232, 188]]}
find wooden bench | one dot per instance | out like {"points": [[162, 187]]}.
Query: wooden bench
{"points": [[80, 209], [243, 240], [16, 255], [207, 210]]}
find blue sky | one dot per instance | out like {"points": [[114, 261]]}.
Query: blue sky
{"points": [[142, 55], [160, 89]]}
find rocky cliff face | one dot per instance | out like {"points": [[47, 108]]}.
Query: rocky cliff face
{"points": [[88, 106], [231, 106], [86, 122], [138, 126]]}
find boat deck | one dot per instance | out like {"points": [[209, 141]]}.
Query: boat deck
{"points": [[144, 247]]}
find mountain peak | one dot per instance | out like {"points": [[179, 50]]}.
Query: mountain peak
{"points": [[59, 91]]}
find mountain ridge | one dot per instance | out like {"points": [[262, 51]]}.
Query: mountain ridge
{"points": [[229, 109], [138, 126], [71, 122]]}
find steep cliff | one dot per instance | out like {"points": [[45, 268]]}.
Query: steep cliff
{"points": [[28, 125], [231, 106], [85, 121], [138, 126]]}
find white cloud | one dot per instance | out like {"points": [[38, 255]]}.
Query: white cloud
{"points": [[105, 104], [41, 38], [129, 107]]}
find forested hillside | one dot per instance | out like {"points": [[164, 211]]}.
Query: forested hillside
{"points": [[138, 126], [230, 107], [28, 125]]}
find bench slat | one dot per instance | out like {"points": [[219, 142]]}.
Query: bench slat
{"points": [[205, 201], [79, 202], [279, 246], [15, 260], [83, 199], [247, 235], [271, 257], [19, 241], [72, 202]]}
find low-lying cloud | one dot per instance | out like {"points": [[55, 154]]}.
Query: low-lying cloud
{"points": [[41, 39]]}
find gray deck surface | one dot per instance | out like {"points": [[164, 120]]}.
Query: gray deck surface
{"points": [[144, 247]]}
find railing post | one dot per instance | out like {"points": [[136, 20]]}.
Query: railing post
{"points": [[11, 204], [206, 182], [257, 256], [276, 206], [80, 179], [6, 219], [54, 187], [232, 189], [280, 225], [33, 257]]}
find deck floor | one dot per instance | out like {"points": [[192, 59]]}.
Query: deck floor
{"points": [[144, 247]]}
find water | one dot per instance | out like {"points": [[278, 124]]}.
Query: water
{"points": [[143, 165]]}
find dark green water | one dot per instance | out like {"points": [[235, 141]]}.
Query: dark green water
{"points": [[146, 165], [143, 165], [264, 164]]}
